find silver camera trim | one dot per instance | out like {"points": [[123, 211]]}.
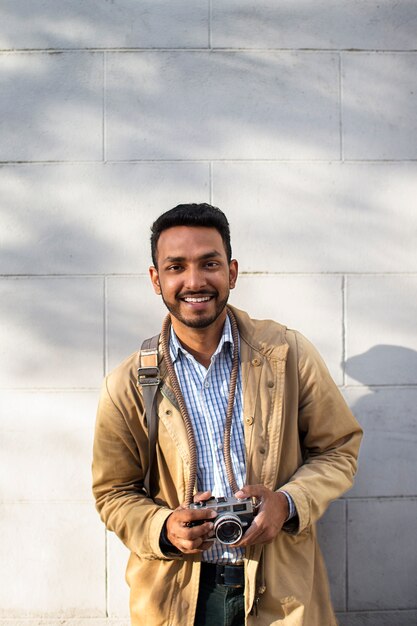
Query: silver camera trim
{"points": [[226, 508]]}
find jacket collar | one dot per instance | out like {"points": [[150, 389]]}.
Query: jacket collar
{"points": [[266, 337]]}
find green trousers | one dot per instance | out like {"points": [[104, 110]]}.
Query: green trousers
{"points": [[219, 605]]}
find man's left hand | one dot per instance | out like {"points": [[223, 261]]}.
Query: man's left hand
{"points": [[271, 515]]}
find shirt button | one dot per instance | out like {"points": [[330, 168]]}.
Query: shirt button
{"points": [[256, 362], [206, 384], [249, 420]]}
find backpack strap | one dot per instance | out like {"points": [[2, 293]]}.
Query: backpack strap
{"points": [[149, 379]]}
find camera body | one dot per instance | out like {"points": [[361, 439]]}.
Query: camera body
{"points": [[233, 517]]}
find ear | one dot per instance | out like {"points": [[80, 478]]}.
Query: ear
{"points": [[153, 273], [233, 273]]}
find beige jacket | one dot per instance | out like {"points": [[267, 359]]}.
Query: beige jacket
{"points": [[299, 435]]}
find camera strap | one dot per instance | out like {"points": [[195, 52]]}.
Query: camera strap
{"points": [[184, 412], [149, 379]]}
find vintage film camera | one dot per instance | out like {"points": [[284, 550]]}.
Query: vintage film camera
{"points": [[233, 517]]}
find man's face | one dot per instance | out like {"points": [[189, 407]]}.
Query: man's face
{"points": [[194, 276]]}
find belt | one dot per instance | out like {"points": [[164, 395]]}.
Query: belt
{"points": [[230, 575]]}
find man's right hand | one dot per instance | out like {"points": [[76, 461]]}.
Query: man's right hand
{"points": [[191, 539]]}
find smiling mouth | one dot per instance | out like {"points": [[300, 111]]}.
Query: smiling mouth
{"points": [[197, 299]]}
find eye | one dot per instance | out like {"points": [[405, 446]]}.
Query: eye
{"points": [[174, 268], [212, 264]]}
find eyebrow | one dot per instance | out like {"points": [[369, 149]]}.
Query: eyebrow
{"points": [[181, 259]]}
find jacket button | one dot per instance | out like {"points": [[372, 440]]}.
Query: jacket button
{"points": [[249, 420], [270, 383], [256, 362], [261, 450], [168, 412]]}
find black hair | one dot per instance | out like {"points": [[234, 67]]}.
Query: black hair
{"points": [[192, 215]]}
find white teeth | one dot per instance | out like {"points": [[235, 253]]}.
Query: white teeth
{"points": [[206, 299]]}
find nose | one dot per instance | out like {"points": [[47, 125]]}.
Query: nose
{"points": [[195, 279]]}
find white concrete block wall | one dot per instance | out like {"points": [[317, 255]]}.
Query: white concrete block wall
{"points": [[299, 120]]}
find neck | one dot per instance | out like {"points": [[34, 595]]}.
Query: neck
{"points": [[200, 342]]}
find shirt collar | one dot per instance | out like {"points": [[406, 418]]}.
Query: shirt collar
{"points": [[226, 339]]}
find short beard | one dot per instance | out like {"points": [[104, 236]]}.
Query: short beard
{"points": [[202, 322]]}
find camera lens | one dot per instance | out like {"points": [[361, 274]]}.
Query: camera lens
{"points": [[228, 529]]}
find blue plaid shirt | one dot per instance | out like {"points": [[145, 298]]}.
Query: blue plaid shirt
{"points": [[206, 393]]}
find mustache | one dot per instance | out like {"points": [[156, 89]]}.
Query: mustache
{"points": [[191, 294]]}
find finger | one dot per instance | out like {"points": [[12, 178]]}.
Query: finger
{"points": [[190, 544], [252, 535], [179, 530], [260, 531], [249, 539], [250, 491], [187, 516], [190, 532], [201, 496], [196, 546], [196, 532]]}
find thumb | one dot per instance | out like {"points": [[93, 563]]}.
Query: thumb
{"points": [[250, 491]]}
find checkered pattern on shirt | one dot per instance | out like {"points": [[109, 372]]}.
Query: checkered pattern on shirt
{"points": [[206, 392]]}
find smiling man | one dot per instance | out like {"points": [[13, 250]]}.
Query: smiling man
{"points": [[252, 440], [194, 275]]}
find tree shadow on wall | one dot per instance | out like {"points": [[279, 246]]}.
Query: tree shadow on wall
{"points": [[90, 104]]}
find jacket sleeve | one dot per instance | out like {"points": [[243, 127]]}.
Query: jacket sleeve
{"points": [[118, 479], [330, 437]]}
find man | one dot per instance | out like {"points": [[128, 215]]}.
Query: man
{"points": [[292, 445]]}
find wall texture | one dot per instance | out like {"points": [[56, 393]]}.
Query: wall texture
{"points": [[299, 119]]}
